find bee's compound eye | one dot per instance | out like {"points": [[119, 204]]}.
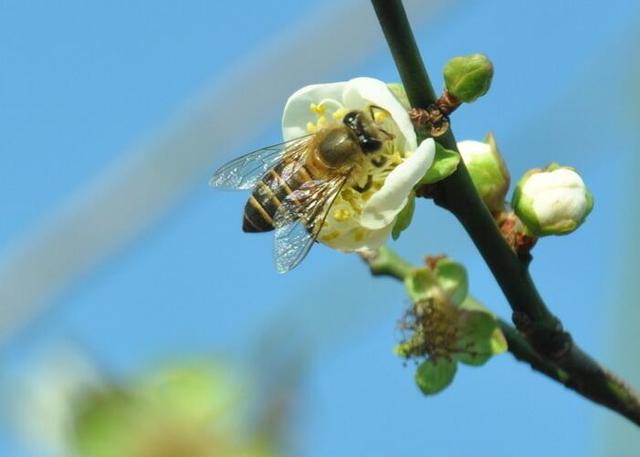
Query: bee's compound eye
{"points": [[351, 119]]}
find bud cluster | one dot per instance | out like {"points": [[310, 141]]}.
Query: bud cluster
{"points": [[546, 201]]}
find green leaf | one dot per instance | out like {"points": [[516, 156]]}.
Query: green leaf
{"points": [[471, 304], [452, 277], [404, 217], [444, 164], [480, 334], [420, 284], [102, 424], [434, 375], [194, 390]]}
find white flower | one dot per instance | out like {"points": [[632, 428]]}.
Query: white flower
{"points": [[552, 201], [362, 219], [488, 171]]}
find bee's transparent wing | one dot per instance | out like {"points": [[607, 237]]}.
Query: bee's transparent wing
{"points": [[245, 171], [299, 220]]}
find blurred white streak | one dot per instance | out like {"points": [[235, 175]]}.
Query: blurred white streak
{"points": [[154, 176], [41, 405]]}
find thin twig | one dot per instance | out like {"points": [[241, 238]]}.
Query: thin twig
{"points": [[542, 330]]}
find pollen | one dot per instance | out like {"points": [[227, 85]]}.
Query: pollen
{"points": [[341, 214], [353, 198], [319, 108], [380, 116], [395, 159], [311, 127], [340, 113], [359, 234]]}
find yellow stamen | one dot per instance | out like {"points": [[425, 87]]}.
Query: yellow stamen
{"points": [[396, 159], [311, 127], [341, 214], [319, 109], [330, 236], [340, 113], [359, 234], [353, 198], [380, 116]]}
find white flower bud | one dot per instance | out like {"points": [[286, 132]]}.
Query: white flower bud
{"points": [[488, 171], [552, 201]]}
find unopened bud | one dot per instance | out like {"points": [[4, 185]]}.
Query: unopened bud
{"points": [[488, 171], [468, 77], [552, 201]]}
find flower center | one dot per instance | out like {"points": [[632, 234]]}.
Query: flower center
{"points": [[432, 329], [367, 179]]}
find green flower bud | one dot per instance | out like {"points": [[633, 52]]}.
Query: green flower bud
{"points": [[488, 171], [468, 77], [552, 201]]}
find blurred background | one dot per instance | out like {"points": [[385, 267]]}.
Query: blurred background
{"points": [[116, 258]]}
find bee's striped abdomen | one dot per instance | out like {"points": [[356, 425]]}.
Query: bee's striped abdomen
{"points": [[269, 194]]}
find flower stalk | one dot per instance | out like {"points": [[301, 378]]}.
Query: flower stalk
{"points": [[542, 330]]}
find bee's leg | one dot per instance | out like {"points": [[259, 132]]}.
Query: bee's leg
{"points": [[379, 162], [389, 136], [366, 186], [372, 113], [374, 108]]}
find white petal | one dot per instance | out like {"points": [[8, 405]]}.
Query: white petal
{"points": [[355, 239], [470, 149], [557, 195], [376, 238], [297, 113], [360, 93], [385, 204]]}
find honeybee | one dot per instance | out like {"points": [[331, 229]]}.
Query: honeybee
{"points": [[295, 183]]}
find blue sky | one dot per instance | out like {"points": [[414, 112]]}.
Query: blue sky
{"points": [[83, 82]]}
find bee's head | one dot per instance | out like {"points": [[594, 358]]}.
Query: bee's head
{"points": [[369, 136]]}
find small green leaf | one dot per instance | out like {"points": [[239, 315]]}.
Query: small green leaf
{"points": [[404, 217], [434, 375], [499, 343], [194, 390], [472, 304], [102, 423], [480, 334], [420, 284], [452, 277], [444, 164]]}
